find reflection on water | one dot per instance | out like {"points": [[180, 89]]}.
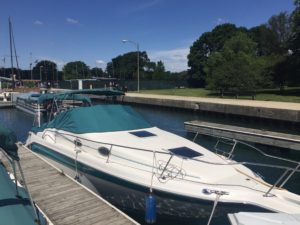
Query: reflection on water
{"points": [[17, 121], [172, 120]]}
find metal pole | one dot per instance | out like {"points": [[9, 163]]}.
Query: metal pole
{"points": [[39, 115], [11, 54], [289, 176], [30, 65], [138, 67], [30, 71]]}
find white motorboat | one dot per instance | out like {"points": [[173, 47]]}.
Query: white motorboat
{"points": [[27, 102], [124, 158]]}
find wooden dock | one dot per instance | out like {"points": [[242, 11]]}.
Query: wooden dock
{"points": [[245, 134], [63, 200]]}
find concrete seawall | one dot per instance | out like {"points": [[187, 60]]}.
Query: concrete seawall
{"points": [[261, 109]]}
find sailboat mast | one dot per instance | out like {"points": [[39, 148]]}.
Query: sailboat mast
{"points": [[11, 53], [15, 51]]}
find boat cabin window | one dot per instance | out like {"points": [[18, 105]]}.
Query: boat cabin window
{"points": [[142, 133], [185, 152]]}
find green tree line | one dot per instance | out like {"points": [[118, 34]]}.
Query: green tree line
{"points": [[122, 67], [226, 59], [238, 59]]}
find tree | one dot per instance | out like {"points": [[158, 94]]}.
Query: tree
{"points": [[201, 49], [150, 67], [45, 70], [281, 27], [267, 42], [293, 58], [159, 72], [280, 75], [97, 72], [125, 66], [76, 70], [295, 24], [235, 67], [149, 70]]}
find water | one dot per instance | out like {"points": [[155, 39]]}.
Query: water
{"points": [[17, 121], [172, 120]]}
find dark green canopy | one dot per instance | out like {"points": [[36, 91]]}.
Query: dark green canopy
{"points": [[77, 95], [8, 142], [62, 96], [98, 118]]}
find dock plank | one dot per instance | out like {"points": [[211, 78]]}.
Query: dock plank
{"points": [[85, 215], [62, 199], [83, 205]]}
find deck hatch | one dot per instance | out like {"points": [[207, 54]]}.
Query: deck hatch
{"points": [[142, 133], [185, 152]]}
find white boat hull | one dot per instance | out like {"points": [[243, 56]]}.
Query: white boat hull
{"points": [[183, 187], [131, 197]]}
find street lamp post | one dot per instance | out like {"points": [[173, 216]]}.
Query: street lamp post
{"points": [[30, 71], [30, 65], [138, 62]]}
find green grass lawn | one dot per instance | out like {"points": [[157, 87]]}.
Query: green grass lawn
{"points": [[287, 95]]}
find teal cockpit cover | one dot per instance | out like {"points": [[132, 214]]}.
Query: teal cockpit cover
{"points": [[51, 96], [98, 118], [8, 141], [14, 210]]}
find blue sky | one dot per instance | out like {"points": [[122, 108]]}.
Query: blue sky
{"points": [[92, 30]]}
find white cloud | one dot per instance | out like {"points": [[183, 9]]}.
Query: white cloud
{"points": [[72, 21], [175, 60], [100, 62], [221, 21], [38, 22]]}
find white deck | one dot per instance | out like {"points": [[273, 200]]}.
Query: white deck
{"points": [[247, 218]]}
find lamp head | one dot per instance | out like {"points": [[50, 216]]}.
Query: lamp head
{"points": [[124, 41]]}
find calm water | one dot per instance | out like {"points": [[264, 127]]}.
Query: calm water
{"points": [[172, 120]]}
